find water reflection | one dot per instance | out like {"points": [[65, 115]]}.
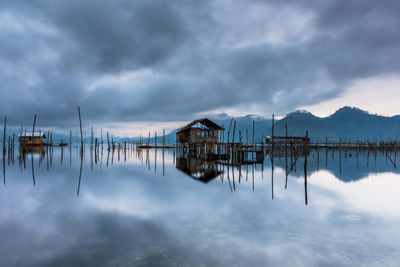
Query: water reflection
{"points": [[200, 170], [347, 166], [145, 207]]}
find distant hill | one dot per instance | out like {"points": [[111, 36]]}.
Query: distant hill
{"points": [[348, 122]]}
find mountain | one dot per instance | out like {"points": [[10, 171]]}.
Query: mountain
{"points": [[347, 122], [298, 123], [261, 126]]}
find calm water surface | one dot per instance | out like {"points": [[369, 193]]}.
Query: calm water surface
{"points": [[139, 209]]}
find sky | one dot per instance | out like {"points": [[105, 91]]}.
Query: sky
{"points": [[138, 65]]}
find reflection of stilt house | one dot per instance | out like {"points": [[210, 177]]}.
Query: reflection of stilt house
{"points": [[198, 169], [31, 140], [199, 136]]}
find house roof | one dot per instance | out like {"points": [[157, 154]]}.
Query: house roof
{"points": [[35, 135], [206, 122]]}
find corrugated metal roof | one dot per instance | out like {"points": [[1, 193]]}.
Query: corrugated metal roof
{"points": [[205, 121]]}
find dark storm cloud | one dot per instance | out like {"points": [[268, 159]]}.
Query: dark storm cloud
{"points": [[159, 60]]}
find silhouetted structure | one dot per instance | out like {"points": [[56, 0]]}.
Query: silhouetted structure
{"points": [[32, 140]]}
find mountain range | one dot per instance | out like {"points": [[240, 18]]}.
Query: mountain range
{"points": [[349, 123]]}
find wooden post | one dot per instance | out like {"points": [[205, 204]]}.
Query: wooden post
{"points": [[229, 131], [253, 134], [340, 154], [108, 141], [273, 125], [326, 151], [80, 124], [163, 140], [305, 177], [4, 136], [233, 135], [33, 128], [91, 137], [286, 157]]}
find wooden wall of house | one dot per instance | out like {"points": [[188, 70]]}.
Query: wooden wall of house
{"points": [[29, 140]]}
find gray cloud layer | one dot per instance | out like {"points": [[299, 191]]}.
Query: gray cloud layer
{"points": [[159, 60]]}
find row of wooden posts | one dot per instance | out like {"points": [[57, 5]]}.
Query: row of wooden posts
{"points": [[227, 147]]}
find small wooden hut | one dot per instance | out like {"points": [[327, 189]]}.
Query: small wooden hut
{"points": [[32, 140], [199, 131]]}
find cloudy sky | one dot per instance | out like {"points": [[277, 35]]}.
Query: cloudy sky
{"points": [[134, 64]]}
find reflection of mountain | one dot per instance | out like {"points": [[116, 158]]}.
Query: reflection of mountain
{"points": [[199, 170], [349, 172]]}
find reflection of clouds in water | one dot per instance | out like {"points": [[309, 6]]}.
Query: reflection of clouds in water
{"points": [[375, 194], [351, 217]]}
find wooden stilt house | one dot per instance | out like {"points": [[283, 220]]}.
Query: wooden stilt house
{"points": [[199, 132], [32, 140]]}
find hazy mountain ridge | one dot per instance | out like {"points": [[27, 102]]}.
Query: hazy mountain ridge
{"points": [[350, 123], [347, 122]]}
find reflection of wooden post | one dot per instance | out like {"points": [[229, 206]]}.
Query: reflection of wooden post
{"points": [[272, 158], [80, 175], [305, 179], [317, 154]]}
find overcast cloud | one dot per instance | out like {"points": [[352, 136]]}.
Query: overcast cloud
{"points": [[156, 60]]}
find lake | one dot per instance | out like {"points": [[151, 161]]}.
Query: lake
{"points": [[155, 208]]}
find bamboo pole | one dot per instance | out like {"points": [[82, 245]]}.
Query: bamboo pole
{"points": [[340, 154], [4, 135], [34, 124], [253, 134], [80, 125]]}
